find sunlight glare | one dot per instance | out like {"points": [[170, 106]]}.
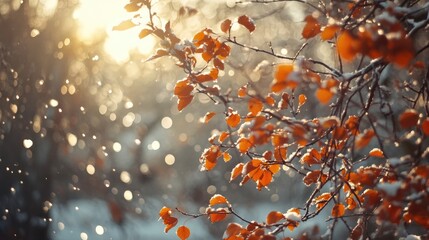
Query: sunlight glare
{"points": [[96, 19]]}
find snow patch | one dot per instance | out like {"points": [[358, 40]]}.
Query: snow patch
{"points": [[390, 188]]}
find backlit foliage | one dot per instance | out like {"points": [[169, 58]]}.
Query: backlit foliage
{"points": [[353, 158]]}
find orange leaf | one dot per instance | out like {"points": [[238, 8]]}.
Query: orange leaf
{"points": [[255, 106], [347, 46], [233, 120], [216, 215], [223, 136], [208, 116], [182, 102], [243, 145], [209, 157], [214, 73], [351, 203], [329, 32], [182, 88], [233, 229], [270, 101], [267, 155], [376, 152], [218, 199], [311, 177], [247, 22], [218, 63], [251, 166], [371, 196], [363, 139], [409, 118], [283, 71], [311, 28], [226, 157], [301, 100], [274, 217], [265, 180], [324, 95], [236, 171], [169, 223], [183, 232], [280, 154], [144, 33], [338, 210], [311, 157], [425, 126], [225, 26], [274, 168], [164, 212], [322, 200], [242, 91]]}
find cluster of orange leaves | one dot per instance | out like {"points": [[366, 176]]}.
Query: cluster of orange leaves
{"points": [[265, 127], [386, 38]]}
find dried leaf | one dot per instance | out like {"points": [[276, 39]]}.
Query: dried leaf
{"points": [[184, 101], [311, 177], [363, 139], [409, 118], [225, 26], [183, 88], [169, 222], [274, 216], [233, 229], [247, 22], [218, 64], [338, 210], [145, 32], [311, 28]]}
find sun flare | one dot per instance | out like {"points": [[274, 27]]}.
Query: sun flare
{"points": [[96, 19]]}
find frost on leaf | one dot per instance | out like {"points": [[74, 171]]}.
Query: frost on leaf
{"points": [[218, 199], [376, 152]]}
